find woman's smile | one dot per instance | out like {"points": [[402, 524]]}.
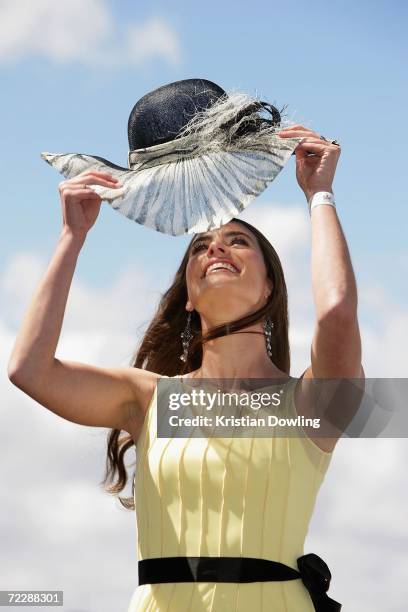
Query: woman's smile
{"points": [[221, 270]]}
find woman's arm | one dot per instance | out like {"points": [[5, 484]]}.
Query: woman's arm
{"points": [[336, 346], [81, 393]]}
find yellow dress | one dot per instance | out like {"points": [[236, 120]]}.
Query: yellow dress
{"points": [[250, 497]]}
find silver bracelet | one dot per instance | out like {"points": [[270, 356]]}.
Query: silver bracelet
{"points": [[321, 197]]}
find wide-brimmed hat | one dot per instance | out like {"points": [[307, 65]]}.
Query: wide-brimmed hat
{"points": [[198, 155]]}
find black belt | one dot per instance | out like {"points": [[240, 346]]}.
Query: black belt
{"points": [[313, 571]]}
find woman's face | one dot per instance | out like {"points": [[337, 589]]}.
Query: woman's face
{"points": [[230, 293]]}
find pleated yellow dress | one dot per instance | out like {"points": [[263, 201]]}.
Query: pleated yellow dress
{"points": [[250, 497]]}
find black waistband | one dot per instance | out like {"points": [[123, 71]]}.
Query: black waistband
{"points": [[313, 571]]}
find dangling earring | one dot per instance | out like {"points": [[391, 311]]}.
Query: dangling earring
{"points": [[186, 336], [268, 326]]}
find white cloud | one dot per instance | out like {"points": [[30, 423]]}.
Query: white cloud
{"points": [[59, 530], [286, 227], [102, 324], [385, 331], [154, 38], [81, 31], [359, 526], [383, 320]]}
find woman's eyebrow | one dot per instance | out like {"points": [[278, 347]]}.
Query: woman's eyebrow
{"points": [[230, 233]]}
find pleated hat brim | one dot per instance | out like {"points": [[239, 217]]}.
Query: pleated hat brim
{"points": [[192, 184]]}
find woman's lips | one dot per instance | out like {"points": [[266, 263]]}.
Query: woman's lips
{"points": [[221, 270]]}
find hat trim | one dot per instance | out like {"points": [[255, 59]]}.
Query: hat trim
{"points": [[233, 122]]}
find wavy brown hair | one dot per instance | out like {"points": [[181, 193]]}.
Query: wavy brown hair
{"points": [[160, 348]]}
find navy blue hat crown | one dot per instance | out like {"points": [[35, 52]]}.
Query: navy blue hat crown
{"points": [[161, 114]]}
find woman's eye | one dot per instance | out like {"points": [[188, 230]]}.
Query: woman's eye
{"points": [[198, 246]]}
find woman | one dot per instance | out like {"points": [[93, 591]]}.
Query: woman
{"points": [[212, 497]]}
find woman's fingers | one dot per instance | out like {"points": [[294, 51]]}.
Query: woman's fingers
{"points": [[296, 131], [316, 159], [80, 202], [88, 179], [79, 190], [318, 145], [105, 175], [310, 149], [312, 144], [94, 180], [312, 140], [318, 149], [299, 133], [297, 127]]}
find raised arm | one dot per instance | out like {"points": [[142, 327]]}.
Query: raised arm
{"points": [[336, 346], [78, 392]]}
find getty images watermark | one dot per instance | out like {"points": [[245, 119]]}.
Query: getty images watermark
{"points": [[291, 407], [211, 401]]}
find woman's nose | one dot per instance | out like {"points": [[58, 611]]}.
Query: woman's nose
{"points": [[215, 246]]}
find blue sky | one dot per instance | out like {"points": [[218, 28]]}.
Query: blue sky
{"points": [[338, 67], [70, 74]]}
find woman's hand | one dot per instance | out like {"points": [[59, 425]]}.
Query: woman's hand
{"points": [[314, 173], [80, 204]]}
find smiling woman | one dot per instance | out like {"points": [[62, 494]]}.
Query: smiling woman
{"points": [[221, 521], [185, 489], [228, 253]]}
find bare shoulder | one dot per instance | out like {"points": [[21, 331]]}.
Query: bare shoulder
{"points": [[303, 401], [143, 383]]}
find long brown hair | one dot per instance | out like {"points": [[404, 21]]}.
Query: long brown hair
{"points": [[160, 347]]}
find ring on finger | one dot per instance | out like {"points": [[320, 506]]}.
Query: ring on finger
{"points": [[330, 141]]}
